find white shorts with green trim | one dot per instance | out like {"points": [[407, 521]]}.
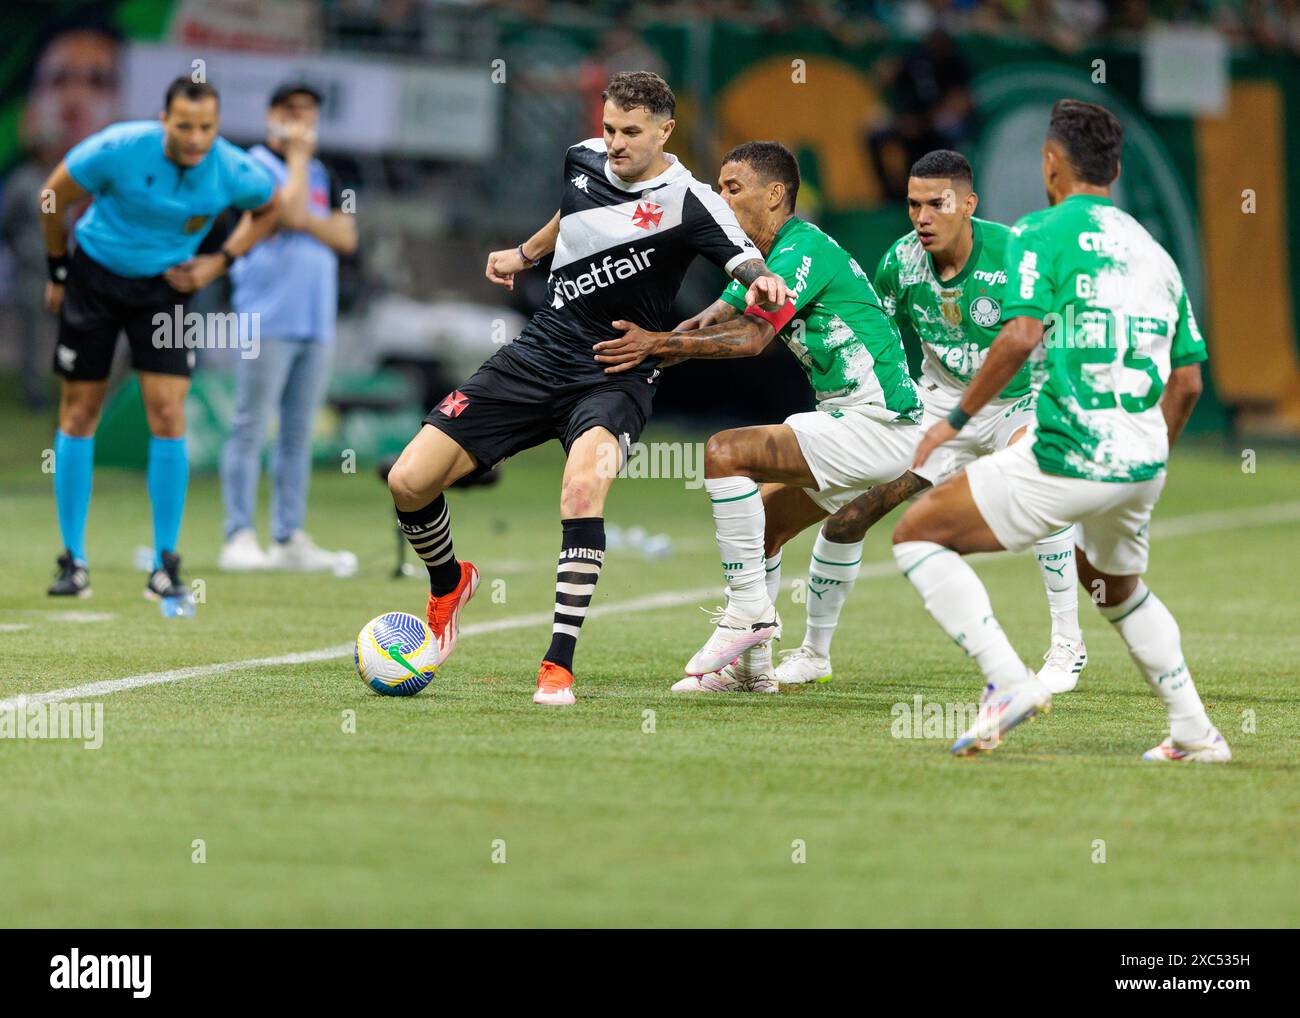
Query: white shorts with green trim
{"points": [[1021, 505], [987, 432], [848, 451]]}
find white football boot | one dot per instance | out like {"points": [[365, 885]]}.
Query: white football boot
{"points": [[725, 681], [726, 599], [734, 678], [736, 630], [800, 665], [1062, 663], [1000, 711], [1213, 748], [242, 553]]}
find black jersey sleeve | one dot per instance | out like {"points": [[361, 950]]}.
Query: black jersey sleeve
{"points": [[712, 230]]}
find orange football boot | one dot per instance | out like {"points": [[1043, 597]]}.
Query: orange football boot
{"points": [[443, 612], [554, 685]]}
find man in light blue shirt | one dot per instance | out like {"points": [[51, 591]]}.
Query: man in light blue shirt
{"points": [[156, 187], [291, 283]]}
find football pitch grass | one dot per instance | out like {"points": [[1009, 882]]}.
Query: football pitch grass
{"points": [[468, 805]]}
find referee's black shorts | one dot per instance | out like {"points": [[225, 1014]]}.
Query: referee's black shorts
{"points": [[98, 304], [510, 404]]}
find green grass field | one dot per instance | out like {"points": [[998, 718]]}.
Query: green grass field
{"points": [[604, 823]]}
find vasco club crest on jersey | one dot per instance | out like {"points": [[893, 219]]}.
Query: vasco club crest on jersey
{"points": [[454, 404], [985, 311], [647, 215]]}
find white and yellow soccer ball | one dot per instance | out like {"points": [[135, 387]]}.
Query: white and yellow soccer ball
{"points": [[396, 654]]}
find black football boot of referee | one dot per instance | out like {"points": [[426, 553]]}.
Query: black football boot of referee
{"points": [[73, 579], [166, 582]]}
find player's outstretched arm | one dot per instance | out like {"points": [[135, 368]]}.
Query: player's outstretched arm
{"points": [[1181, 393], [502, 265], [1008, 353], [717, 312], [743, 336]]}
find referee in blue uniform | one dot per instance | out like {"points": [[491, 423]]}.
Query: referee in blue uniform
{"points": [[157, 187]]}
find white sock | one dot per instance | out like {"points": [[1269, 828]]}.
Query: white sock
{"points": [[739, 520], [772, 575], [1146, 625], [955, 598], [757, 660], [1055, 556], [832, 571]]}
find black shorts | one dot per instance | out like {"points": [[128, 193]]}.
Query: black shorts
{"points": [[509, 405], [98, 304]]}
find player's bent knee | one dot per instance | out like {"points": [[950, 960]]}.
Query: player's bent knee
{"points": [[409, 489], [721, 457]]}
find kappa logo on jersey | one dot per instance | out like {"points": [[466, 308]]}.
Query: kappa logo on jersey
{"points": [[647, 215], [580, 182], [454, 405]]}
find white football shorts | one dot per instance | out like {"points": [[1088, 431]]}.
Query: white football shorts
{"points": [[1022, 504], [849, 451], [989, 431]]}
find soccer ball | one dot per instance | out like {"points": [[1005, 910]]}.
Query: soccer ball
{"points": [[396, 654]]}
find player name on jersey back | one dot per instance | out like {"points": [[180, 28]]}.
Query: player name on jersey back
{"points": [[622, 253]]}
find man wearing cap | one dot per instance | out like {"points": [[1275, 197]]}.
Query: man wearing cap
{"points": [[291, 283]]}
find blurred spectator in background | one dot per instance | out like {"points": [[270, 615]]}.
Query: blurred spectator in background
{"points": [[291, 283], [929, 93], [621, 49], [74, 93]]}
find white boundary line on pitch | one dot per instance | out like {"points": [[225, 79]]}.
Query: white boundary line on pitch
{"points": [[1179, 526]]}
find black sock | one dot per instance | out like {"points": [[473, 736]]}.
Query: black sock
{"points": [[429, 532], [581, 554]]}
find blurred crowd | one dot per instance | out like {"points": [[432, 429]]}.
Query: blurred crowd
{"points": [[1066, 24]]}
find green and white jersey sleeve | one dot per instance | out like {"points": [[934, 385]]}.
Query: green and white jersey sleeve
{"points": [[957, 319], [847, 346], [1116, 322]]}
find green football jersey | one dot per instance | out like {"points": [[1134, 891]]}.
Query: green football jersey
{"points": [[848, 347], [1116, 322], [957, 319]]}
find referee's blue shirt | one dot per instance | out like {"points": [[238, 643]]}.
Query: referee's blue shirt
{"points": [[149, 213]]}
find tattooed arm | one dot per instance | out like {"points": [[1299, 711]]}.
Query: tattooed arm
{"points": [[741, 336], [719, 331], [765, 287], [718, 311]]}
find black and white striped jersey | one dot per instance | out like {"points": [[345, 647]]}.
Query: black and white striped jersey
{"points": [[622, 253]]}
